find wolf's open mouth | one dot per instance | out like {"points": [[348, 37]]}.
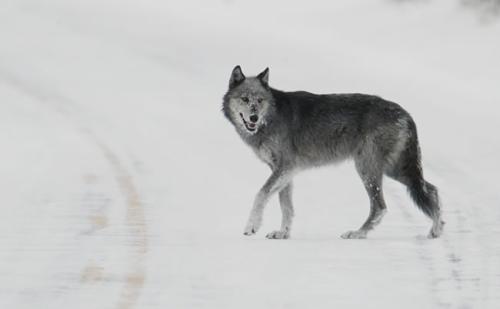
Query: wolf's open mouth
{"points": [[250, 126]]}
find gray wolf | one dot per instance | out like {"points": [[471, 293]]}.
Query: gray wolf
{"points": [[293, 131]]}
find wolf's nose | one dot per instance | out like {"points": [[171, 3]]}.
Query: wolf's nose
{"points": [[254, 118]]}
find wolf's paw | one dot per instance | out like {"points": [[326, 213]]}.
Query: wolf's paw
{"points": [[253, 224], [436, 230], [251, 229], [278, 234], [359, 234]]}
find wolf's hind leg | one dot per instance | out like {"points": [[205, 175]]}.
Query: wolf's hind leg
{"points": [[286, 212], [372, 181]]}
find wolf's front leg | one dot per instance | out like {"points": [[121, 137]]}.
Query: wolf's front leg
{"points": [[287, 214], [255, 219], [278, 180]]}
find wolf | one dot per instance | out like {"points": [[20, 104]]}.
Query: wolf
{"points": [[294, 131]]}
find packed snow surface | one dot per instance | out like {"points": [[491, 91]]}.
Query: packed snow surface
{"points": [[123, 186]]}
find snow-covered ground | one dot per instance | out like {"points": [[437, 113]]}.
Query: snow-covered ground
{"points": [[124, 187]]}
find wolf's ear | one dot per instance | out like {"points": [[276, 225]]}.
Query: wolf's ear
{"points": [[264, 76], [236, 77]]}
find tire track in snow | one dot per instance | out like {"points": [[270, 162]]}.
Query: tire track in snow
{"points": [[450, 286], [98, 201], [135, 278], [476, 256], [422, 255], [135, 217]]}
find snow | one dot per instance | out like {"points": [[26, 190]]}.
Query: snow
{"points": [[124, 186]]}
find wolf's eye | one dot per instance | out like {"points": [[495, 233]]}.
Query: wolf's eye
{"points": [[260, 100], [245, 99]]}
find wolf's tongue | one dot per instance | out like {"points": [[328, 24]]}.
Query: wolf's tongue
{"points": [[251, 125]]}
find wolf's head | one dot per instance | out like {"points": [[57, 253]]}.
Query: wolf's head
{"points": [[249, 102]]}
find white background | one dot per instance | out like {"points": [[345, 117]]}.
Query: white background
{"points": [[123, 186]]}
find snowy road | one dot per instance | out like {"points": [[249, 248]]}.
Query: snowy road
{"points": [[124, 187]]}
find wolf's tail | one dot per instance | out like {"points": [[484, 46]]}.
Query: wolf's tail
{"points": [[408, 170], [425, 195]]}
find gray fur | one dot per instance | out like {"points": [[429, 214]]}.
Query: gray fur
{"points": [[301, 130]]}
